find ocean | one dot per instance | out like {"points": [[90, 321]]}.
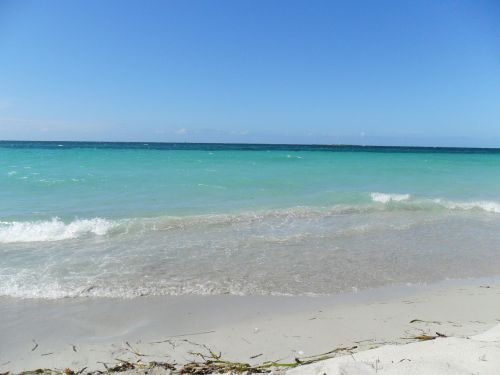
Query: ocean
{"points": [[84, 219]]}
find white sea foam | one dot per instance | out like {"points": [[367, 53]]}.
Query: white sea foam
{"points": [[56, 229], [488, 206], [423, 203], [386, 198], [329, 249], [53, 230]]}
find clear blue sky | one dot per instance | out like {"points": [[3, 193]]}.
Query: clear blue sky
{"points": [[365, 72]]}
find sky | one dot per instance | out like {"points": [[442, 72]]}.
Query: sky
{"points": [[259, 71]]}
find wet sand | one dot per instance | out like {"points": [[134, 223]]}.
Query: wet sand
{"points": [[78, 333]]}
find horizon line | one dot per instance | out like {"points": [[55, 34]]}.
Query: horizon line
{"points": [[258, 144]]}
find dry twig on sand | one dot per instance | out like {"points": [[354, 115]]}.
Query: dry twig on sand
{"points": [[209, 362]]}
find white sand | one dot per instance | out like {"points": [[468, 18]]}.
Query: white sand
{"points": [[85, 333], [478, 354]]}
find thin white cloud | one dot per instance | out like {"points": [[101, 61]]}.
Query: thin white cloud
{"points": [[181, 131]]}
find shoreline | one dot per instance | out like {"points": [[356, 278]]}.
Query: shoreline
{"points": [[83, 332]]}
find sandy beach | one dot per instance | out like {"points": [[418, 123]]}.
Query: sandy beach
{"points": [[228, 260], [91, 334], [249, 187]]}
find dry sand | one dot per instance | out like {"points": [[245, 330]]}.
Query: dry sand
{"points": [[479, 354], [78, 333]]}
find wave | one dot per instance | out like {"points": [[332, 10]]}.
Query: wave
{"points": [[57, 230], [386, 198], [52, 230], [55, 290], [407, 201], [487, 206]]}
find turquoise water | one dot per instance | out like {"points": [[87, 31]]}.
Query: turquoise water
{"points": [[116, 219], [121, 182]]}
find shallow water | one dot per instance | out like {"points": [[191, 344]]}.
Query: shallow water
{"points": [[124, 220]]}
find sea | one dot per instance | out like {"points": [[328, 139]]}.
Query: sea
{"points": [[93, 219]]}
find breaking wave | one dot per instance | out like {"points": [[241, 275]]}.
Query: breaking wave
{"points": [[52, 230], [487, 206], [57, 230], [386, 198]]}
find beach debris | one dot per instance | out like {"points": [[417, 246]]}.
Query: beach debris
{"points": [[135, 351], [123, 366], [327, 355], [424, 321], [104, 364], [172, 343], [244, 339], [126, 365], [211, 363], [182, 335], [363, 341], [425, 337], [42, 371]]}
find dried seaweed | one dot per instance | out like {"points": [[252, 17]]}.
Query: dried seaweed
{"points": [[209, 362], [425, 337]]}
